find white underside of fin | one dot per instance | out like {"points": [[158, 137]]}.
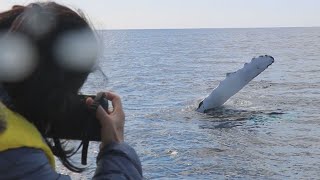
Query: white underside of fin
{"points": [[234, 82]]}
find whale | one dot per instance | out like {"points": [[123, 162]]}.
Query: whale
{"points": [[234, 82]]}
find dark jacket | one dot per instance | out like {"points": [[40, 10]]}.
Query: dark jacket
{"points": [[115, 161]]}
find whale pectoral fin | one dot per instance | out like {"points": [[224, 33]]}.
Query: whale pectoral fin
{"points": [[234, 82]]}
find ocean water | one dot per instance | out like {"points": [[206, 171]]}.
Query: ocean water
{"points": [[269, 130]]}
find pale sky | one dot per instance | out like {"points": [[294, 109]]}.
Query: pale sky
{"points": [[162, 14]]}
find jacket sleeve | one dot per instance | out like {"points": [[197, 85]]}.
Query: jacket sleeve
{"points": [[27, 163], [118, 161]]}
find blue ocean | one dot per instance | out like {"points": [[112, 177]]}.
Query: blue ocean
{"points": [[269, 130]]}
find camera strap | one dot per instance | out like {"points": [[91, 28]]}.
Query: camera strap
{"points": [[85, 141], [100, 99], [84, 153]]}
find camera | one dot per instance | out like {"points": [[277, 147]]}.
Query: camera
{"points": [[80, 122]]}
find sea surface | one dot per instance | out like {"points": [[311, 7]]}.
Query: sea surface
{"points": [[269, 130]]}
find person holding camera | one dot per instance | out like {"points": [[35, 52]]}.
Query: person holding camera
{"points": [[39, 85]]}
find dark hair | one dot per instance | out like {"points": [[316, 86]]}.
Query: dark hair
{"points": [[43, 96]]}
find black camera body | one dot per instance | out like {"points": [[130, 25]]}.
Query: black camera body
{"points": [[81, 122]]}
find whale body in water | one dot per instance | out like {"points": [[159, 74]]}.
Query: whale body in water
{"points": [[234, 82]]}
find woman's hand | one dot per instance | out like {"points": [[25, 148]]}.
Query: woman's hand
{"points": [[112, 121]]}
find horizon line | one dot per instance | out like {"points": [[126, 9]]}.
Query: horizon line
{"points": [[191, 28]]}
